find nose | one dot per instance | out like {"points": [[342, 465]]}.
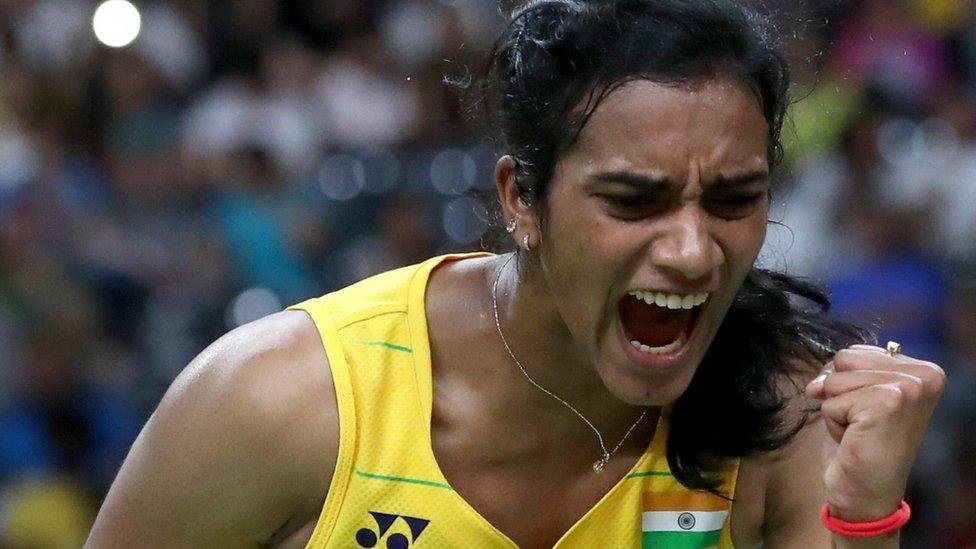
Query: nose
{"points": [[687, 247]]}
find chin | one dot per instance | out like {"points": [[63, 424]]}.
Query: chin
{"points": [[639, 389]]}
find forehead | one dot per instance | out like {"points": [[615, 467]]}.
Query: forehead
{"points": [[712, 127]]}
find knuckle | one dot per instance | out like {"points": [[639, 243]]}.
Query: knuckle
{"points": [[933, 376], [845, 357], [891, 398], [912, 387], [831, 384]]}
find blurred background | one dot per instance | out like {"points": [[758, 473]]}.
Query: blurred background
{"points": [[174, 169]]}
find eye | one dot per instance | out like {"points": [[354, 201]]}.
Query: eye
{"points": [[627, 201], [634, 205]]}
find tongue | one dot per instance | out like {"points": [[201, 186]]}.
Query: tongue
{"points": [[652, 325]]}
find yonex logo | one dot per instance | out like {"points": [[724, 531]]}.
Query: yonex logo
{"points": [[367, 537]]}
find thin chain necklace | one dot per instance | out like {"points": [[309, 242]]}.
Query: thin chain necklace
{"points": [[600, 463]]}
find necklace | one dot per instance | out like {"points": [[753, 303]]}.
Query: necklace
{"points": [[600, 463]]}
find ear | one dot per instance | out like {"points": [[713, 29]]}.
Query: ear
{"points": [[513, 208]]}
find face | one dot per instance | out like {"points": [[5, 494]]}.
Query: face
{"points": [[662, 203]]}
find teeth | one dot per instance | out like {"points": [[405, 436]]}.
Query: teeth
{"points": [[663, 350], [671, 301]]}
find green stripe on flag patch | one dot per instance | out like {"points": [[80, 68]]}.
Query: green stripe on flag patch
{"points": [[680, 540]]}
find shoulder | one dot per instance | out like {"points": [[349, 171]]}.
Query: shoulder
{"points": [[244, 441], [271, 368], [270, 379], [267, 381]]}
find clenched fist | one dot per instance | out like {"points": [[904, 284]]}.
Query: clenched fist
{"points": [[876, 406]]}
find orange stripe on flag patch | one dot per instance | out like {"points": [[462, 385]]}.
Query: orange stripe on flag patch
{"points": [[685, 500]]}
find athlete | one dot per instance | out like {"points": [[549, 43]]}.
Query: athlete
{"points": [[625, 378]]}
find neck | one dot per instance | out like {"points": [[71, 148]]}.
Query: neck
{"points": [[543, 345]]}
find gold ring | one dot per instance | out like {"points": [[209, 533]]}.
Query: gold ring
{"points": [[894, 348]]}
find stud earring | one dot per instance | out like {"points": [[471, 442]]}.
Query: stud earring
{"points": [[512, 226]]}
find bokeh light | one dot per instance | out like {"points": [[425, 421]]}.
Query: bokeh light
{"points": [[453, 172], [250, 305], [342, 177], [465, 219], [116, 23]]}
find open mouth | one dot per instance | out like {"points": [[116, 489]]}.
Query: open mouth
{"points": [[659, 323]]}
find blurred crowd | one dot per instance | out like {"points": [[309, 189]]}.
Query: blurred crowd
{"points": [[243, 155]]}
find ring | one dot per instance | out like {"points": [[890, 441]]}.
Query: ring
{"points": [[894, 348]]}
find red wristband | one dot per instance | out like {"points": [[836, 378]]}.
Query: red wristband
{"points": [[868, 529]]}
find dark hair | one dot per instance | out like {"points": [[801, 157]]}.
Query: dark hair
{"points": [[558, 59], [551, 68], [777, 326]]}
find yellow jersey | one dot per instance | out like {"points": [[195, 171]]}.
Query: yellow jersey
{"points": [[387, 489]]}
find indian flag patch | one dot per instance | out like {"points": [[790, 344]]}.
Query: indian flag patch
{"points": [[682, 520]]}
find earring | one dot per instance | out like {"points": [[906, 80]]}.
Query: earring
{"points": [[525, 243], [512, 226]]}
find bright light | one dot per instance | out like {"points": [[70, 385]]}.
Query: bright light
{"points": [[116, 23], [251, 305]]}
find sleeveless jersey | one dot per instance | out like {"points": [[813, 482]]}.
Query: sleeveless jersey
{"points": [[387, 489]]}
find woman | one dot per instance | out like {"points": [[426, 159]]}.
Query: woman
{"points": [[625, 378]]}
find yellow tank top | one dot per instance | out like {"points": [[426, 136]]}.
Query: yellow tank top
{"points": [[388, 491]]}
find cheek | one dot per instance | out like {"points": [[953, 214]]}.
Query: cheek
{"points": [[746, 236], [760, 232], [579, 259], [576, 227]]}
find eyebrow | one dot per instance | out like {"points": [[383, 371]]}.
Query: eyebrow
{"points": [[740, 180], [651, 184]]}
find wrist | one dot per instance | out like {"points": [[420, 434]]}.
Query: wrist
{"points": [[855, 509], [885, 541], [863, 513], [877, 528]]}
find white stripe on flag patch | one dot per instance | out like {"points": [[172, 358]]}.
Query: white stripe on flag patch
{"points": [[682, 521]]}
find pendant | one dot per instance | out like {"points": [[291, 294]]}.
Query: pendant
{"points": [[601, 463]]}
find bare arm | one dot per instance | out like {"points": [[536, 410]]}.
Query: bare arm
{"points": [[244, 442], [795, 494], [858, 455]]}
